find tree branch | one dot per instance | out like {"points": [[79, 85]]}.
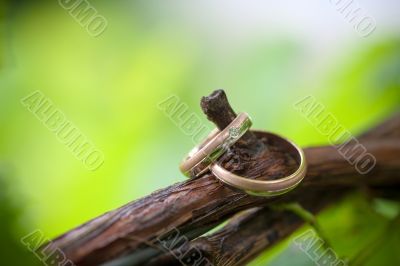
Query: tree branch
{"points": [[195, 206], [251, 232]]}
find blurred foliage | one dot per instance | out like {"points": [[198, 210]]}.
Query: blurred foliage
{"points": [[11, 208], [357, 231], [109, 87]]}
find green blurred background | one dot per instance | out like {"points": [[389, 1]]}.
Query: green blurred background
{"points": [[266, 55]]}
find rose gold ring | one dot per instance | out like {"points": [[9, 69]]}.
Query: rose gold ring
{"points": [[267, 188], [216, 144]]}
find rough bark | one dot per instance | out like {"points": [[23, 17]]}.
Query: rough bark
{"points": [[251, 232]]}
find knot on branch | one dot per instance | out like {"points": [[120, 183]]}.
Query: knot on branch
{"points": [[251, 156]]}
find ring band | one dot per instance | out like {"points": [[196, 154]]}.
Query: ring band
{"points": [[216, 143], [272, 187]]}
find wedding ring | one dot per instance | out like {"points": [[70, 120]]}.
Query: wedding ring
{"points": [[267, 188], [216, 144]]}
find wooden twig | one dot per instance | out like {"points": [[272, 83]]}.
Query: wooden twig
{"points": [[245, 236], [195, 206], [251, 232]]}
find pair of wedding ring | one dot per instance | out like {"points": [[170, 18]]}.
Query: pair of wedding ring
{"points": [[203, 157]]}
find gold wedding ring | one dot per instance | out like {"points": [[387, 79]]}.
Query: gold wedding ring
{"points": [[217, 143], [267, 188]]}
